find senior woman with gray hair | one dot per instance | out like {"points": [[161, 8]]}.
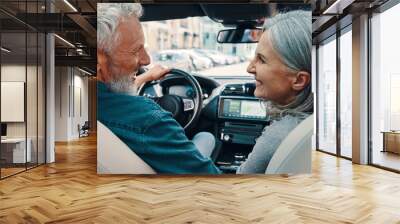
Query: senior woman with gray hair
{"points": [[282, 70]]}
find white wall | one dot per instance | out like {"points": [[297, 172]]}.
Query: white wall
{"points": [[79, 115], [61, 104], [71, 93], [14, 73], [33, 126], [12, 101]]}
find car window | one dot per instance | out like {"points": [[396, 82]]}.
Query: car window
{"points": [[164, 57], [192, 46]]}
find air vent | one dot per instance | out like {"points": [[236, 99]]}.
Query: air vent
{"points": [[246, 89]]}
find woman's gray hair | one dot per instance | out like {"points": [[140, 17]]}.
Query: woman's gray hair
{"points": [[109, 16], [291, 36]]}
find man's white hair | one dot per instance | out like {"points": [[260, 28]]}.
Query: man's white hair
{"points": [[109, 15]]}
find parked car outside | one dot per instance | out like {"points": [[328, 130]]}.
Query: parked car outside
{"points": [[200, 61], [174, 59], [215, 58]]}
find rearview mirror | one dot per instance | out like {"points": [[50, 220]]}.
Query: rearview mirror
{"points": [[236, 36]]}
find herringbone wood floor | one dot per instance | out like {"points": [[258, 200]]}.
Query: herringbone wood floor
{"points": [[70, 191]]}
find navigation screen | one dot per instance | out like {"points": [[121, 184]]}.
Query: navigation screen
{"points": [[238, 108], [252, 109]]}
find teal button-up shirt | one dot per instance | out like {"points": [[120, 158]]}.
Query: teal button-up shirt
{"points": [[151, 133]]}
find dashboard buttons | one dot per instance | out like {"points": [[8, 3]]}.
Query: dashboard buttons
{"points": [[226, 137], [188, 104]]}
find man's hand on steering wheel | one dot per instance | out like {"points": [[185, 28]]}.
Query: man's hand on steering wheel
{"points": [[186, 110], [154, 73]]}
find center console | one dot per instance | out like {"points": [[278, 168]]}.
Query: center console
{"points": [[241, 116], [241, 120], [242, 108]]}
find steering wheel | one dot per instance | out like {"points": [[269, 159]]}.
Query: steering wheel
{"points": [[185, 110]]}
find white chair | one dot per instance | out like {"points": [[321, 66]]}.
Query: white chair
{"points": [[293, 156], [115, 157]]}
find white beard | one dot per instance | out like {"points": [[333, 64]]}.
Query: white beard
{"points": [[125, 84]]}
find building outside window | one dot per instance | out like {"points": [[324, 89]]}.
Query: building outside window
{"points": [[385, 89]]}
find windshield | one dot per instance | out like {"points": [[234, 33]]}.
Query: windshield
{"points": [[191, 44]]}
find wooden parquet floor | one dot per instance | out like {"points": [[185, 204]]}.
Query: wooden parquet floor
{"points": [[70, 191]]}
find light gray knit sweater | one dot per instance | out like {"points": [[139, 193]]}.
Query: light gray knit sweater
{"points": [[268, 143]]}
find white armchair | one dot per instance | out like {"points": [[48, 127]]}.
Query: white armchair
{"points": [[115, 157], [294, 153]]}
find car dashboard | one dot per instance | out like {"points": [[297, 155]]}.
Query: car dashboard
{"points": [[241, 118], [230, 111]]}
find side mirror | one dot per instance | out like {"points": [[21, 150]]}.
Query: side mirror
{"points": [[235, 36]]}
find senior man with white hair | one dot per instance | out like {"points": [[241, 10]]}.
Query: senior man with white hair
{"points": [[139, 122]]}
